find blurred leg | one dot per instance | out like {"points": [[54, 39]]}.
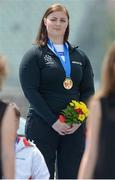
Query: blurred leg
{"points": [[69, 154]]}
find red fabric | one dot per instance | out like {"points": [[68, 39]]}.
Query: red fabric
{"points": [[26, 143]]}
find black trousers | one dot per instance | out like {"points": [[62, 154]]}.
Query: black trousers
{"points": [[65, 152]]}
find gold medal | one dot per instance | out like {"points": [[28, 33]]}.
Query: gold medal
{"points": [[68, 83]]}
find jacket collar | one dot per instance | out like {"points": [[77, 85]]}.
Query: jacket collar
{"points": [[72, 47], [50, 52]]}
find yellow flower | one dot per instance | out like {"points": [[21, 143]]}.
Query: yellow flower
{"points": [[76, 104], [84, 108], [71, 104], [81, 117]]}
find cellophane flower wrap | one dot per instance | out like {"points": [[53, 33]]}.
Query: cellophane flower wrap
{"points": [[76, 112]]}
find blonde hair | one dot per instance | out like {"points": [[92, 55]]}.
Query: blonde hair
{"points": [[3, 69], [108, 74]]}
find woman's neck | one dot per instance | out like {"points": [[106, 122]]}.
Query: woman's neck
{"points": [[56, 40]]}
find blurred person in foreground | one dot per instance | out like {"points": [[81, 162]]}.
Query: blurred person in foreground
{"points": [[30, 163], [19, 158], [7, 131], [52, 73], [98, 161]]}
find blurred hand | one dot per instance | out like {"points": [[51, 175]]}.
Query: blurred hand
{"points": [[73, 128], [61, 127]]}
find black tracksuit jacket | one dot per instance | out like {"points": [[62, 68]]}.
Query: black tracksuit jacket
{"points": [[42, 75]]}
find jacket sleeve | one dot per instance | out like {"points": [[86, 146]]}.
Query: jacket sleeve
{"points": [[29, 74], [39, 167], [87, 84]]}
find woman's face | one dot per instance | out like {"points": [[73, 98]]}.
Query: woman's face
{"points": [[56, 23]]}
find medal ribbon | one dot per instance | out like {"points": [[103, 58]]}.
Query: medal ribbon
{"points": [[66, 65]]}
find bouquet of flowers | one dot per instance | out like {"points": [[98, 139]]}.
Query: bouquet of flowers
{"points": [[76, 112]]}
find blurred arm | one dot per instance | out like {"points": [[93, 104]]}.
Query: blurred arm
{"points": [[90, 155], [8, 134], [29, 74]]}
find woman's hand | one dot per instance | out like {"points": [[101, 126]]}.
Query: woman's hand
{"points": [[61, 127], [73, 128]]}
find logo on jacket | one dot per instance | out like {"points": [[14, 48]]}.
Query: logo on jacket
{"points": [[75, 62], [48, 59]]}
